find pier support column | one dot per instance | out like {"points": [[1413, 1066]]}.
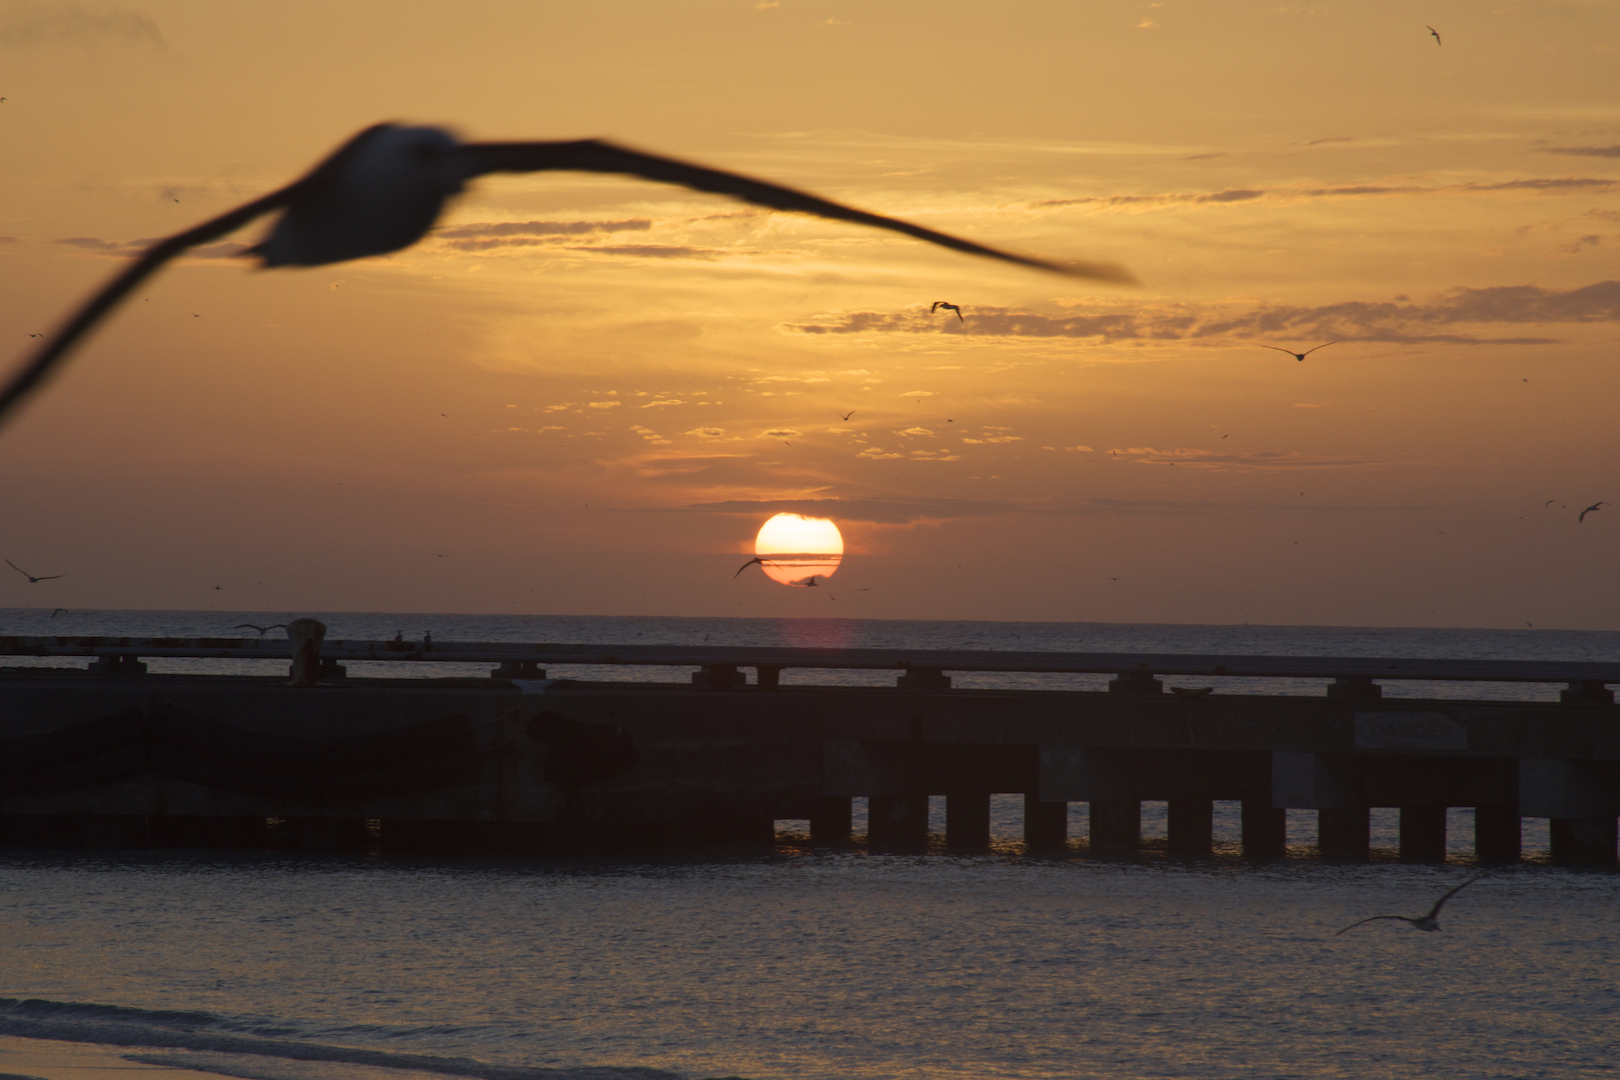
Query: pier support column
{"points": [[967, 822], [1116, 826], [1497, 834], [897, 824], [330, 834], [1584, 841], [830, 821], [1192, 827], [1342, 835], [1265, 830], [1046, 824], [1423, 834]]}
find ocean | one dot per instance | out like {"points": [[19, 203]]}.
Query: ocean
{"points": [[801, 963]]}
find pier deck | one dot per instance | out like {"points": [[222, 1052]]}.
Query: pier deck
{"points": [[505, 759]]}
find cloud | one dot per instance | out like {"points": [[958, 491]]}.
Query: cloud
{"points": [[604, 404], [778, 433], [910, 511], [1585, 151], [1299, 193], [661, 401], [483, 237], [1261, 461], [706, 432], [225, 249], [1430, 321], [27, 23]]}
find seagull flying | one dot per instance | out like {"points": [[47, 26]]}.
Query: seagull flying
{"points": [[948, 307], [383, 190], [1423, 922], [1301, 355], [1588, 510], [1436, 34], [31, 578], [261, 629], [746, 565], [845, 417]]}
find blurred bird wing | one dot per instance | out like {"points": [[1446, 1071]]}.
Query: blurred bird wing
{"points": [[1375, 918], [17, 568], [47, 577], [1274, 348], [1325, 345], [50, 354], [592, 155], [1440, 903]]}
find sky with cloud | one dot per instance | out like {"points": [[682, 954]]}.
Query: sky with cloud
{"points": [[584, 394]]}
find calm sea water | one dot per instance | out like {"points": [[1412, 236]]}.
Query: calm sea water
{"points": [[812, 965]]}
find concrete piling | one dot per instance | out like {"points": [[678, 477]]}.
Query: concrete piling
{"points": [[831, 820], [1343, 835], [1423, 834], [1497, 834], [1265, 830], [967, 822], [1588, 842], [1116, 826], [897, 824], [1192, 827], [1046, 824]]}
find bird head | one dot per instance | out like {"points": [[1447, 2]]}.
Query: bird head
{"points": [[382, 191]]}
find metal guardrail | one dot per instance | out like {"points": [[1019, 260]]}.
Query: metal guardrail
{"points": [[765, 658]]}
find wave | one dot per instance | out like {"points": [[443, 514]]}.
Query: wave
{"points": [[116, 1025]]}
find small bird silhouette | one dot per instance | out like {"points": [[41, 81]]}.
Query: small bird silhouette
{"points": [[384, 189], [938, 304], [57, 612], [1588, 510], [1301, 355], [808, 583], [1422, 922], [31, 578], [1548, 503], [846, 416], [1436, 34], [261, 629]]}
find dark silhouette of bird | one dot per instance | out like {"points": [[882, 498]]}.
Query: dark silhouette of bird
{"points": [[57, 612], [1548, 503], [261, 629], [948, 307], [383, 190], [1588, 510], [31, 578], [1301, 355], [1435, 34], [808, 583], [846, 416], [746, 565], [36, 335], [1422, 922]]}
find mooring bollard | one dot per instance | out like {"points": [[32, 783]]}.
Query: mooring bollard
{"points": [[304, 637]]}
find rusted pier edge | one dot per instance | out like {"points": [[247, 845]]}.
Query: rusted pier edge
{"points": [[476, 765]]}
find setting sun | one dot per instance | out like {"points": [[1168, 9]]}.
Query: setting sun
{"points": [[795, 548]]}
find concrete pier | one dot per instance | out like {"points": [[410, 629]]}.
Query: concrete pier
{"points": [[115, 755]]}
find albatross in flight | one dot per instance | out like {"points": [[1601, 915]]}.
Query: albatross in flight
{"points": [[1300, 355], [1422, 922], [938, 304], [32, 580], [384, 189]]}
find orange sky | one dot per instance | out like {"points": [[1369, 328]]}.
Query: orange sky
{"points": [[581, 391]]}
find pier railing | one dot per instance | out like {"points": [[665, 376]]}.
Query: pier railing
{"points": [[922, 666]]}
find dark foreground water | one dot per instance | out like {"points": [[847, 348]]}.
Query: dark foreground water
{"points": [[815, 965]]}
